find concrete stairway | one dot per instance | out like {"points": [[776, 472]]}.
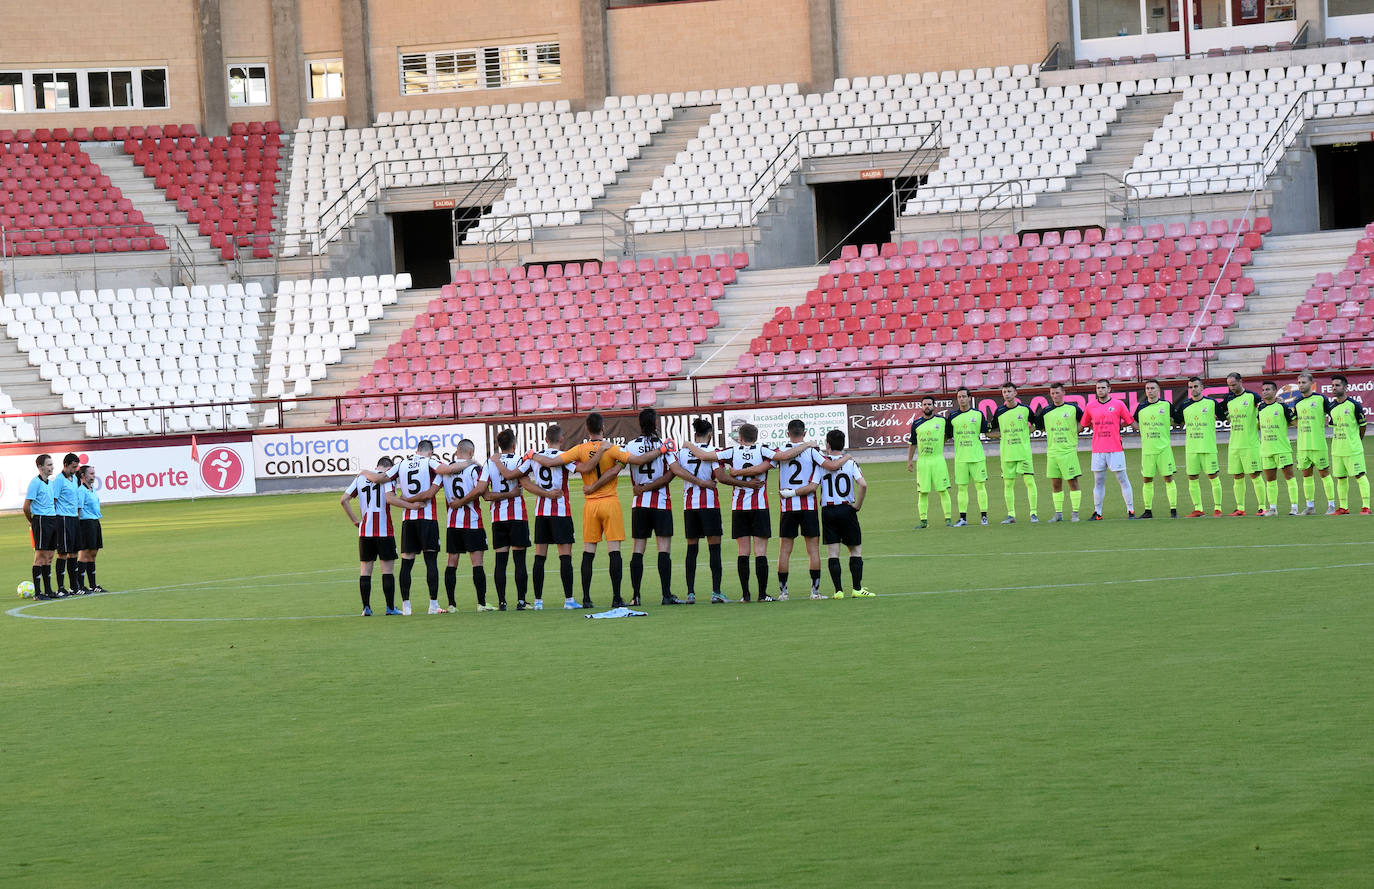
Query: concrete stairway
{"points": [[356, 361], [746, 305], [32, 394], [1282, 271], [654, 157]]}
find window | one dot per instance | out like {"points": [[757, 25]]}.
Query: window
{"points": [[247, 84], [488, 67], [55, 91], [326, 80], [1347, 7], [154, 87], [1109, 18], [110, 89], [12, 91]]}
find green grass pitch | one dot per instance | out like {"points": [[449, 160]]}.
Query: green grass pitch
{"points": [[1165, 704]]}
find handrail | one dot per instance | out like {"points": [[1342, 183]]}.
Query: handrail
{"points": [[1347, 348], [1007, 203], [1300, 39], [1051, 60]]}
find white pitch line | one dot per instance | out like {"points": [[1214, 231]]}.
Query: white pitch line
{"points": [[21, 611], [964, 554]]}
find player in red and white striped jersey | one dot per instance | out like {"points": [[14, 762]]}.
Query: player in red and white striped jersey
{"points": [[745, 466], [799, 472], [652, 512], [510, 527], [701, 508], [552, 516], [463, 492], [416, 479], [842, 496], [376, 540]]}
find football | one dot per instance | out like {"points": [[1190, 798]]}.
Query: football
{"points": [[25, 590]]}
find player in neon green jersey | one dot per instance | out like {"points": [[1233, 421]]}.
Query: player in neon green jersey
{"points": [[1242, 450], [1198, 416], [929, 432], [1276, 453], [1059, 420], [1155, 420], [1347, 445], [968, 424], [1312, 408], [1012, 425]]}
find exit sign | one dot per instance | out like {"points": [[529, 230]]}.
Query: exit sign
{"points": [[870, 174], [445, 203]]}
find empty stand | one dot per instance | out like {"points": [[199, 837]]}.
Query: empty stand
{"points": [[1337, 306], [519, 339]]}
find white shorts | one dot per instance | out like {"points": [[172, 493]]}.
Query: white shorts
{"points": [[1115, 461]]}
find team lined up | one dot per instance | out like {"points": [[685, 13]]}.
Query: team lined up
{"points": [[821, 494], [63, 511], [1259, 449]]}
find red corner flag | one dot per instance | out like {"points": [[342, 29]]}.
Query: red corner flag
{"points": [[195, 454]]}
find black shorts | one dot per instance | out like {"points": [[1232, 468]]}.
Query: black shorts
{"points": [[645, 522], [45, 533], [514, 533], [420, 536], [466, 540], [556, 529], [799, 520], [841, 525], [68, 533], [379, 548], [699, 523], [750, 523], [91, 538]]}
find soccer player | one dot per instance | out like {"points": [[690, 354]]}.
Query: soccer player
{"points": [[1105, 416], [553, 522], [929, 432], [466, 535], [1275, 451], [1011, 424], [651, 514], [415, 478], [750, 523], [42, 515], [1154, 419], [1347, 446], [510, 526], [842, 496], [376, 540], [1198, 416], [1059, 421], [92, 540], [1242, 450], [64, 495], [968, 425], [1312, 409], [701, 510], [799, 474]]}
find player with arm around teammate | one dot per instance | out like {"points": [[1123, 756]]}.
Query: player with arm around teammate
{"points": [[553, 522], [651, 513], [701, 508], [510, 526], [799, 476], [842, 492], [1348, 429], [1154, 419], [466, 534], [750, 523], [92, 538], [376, 534]]}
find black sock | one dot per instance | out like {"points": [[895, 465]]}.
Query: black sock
{"points": [[588, 561], [61, 573], [691, 570], [856, 570], [742, 565], [717, 569], [38, 579], [407, 565], [389, 590], [74, 573], [365, 589], [815, 580], [432, 575], [616, 574], [83, 574], [502, 560], [761, 572], [539, 574], [522, 576], [782, 580], [834, 564], [451, 583], [90, 573], [636, 572], [565, 574], [479, 583], [665, 573], [47, 579]]}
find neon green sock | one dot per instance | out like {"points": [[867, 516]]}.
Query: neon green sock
{"points": [[1343, 493], [944, 502], [1171, 491], [1057, 498], [1238, 489], [1271, 493], [923, 504], [1261, 487], [1362, 482], [982, 489], [1321, 487], [1009, 495], [1032, 493], [1147, 494], [1293, 491], [1075, 499], [963, 499], [1216, 493], [1195, 492]]}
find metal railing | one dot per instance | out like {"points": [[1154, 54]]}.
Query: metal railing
{"points": [[507, 240], [176, 264], [826, 384]]}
